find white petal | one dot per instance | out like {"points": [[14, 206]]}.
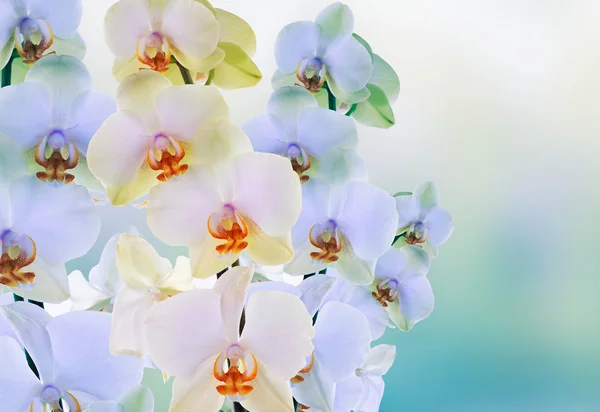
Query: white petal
{"points": [[349, 63], [415, 302], [320, 130], [408, 211], [125, 23], [295, 42], [279, 332], [335, 19], [268, 191], [185, 330], [13, 164], [266, 134], [356, 270], [370, 399], [402, 263], [317, 390], [362, 299], [29, 323], [287, 105], [8, 21], [199, 393], [82, 338], [339, 166], [89, 111], [180, 278], [183, 109], [439, 225], [314, 290], [17, 103], [104, 406], [51, 284], [84, 295], [233, 287], [368, 218], [191, 28], [272, 286], [178, 210], [347, 394], [269, 392], [315, 209], [63, 232], [129, 313], [140, 266], [380, 359], [342, 340], [18, 384], [63, 16], [105, 275], [301, 263]]}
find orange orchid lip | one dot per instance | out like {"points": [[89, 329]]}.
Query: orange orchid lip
{"points": [[27, 49], [56, 165], [329, 240], [229, 226], [234, 381], [157, 45], [167, 163], [11, 273]]}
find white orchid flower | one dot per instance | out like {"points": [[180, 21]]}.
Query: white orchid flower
{"points": [[137, 399], [158, 131], [71, 355], [347, 228], [30, 26], [250, 205], [325, 51], [422, 220], [154, 30], [318, 142], [363, 391], [53, 115], [42, 226], [195, 336], [148, 279]]}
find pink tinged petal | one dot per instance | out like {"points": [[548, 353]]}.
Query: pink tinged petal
{"points": [[51, 284], [266, 134], [17, 103], [233, 287], [18, 384], [342, 340], [287, 105], [62, 232], [295, 42], [273, 286], [349, 63], [380, 359], [128, 316], [29, 323], [199, 393], [184, 331], [183, 109], [368, 218], [267, 191], [439, 225], [279, 332], [126, 22], [178, 210], [82, 338], [335, 19], [139, 265], [63, 16], [269, 393], [191, 28], [89, 111], [320, 130], [415, 303], [316, 390]]}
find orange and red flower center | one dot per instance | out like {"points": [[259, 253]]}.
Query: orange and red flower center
{"points": [[154, 51], [164, 155], [312, 74], [327, 238], [386, 292], [18, 252], [416, 234], [240, 373], [229, 226], [300, 160], [32, 38], [56, 154]]}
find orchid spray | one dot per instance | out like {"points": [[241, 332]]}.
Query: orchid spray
{"points": [[294, 263]]}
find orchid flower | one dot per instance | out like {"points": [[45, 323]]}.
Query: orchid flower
{"points": [[231, 63], [71, 355], [52, 117], [363, 391], [401, 285], [249, 204], [325, 51], [157, 132], [422, 220], [30, 26], [347, 228], [152, 31], [42, 226], [209, 358], [137, 399], [318, 142], [148, 279], [342, 341]]}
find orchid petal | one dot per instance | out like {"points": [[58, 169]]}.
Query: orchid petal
{"points": [[138, 399], [339, 166], [51, 284], [266, 134], [8, 21], [126, 22], [372, 394], [236, 70], [302, 263], [347, 394], [84, 295], [18, 384], [402, 263], [316, 390], [233, 29], [130, 311], [315, 209], [219, 141], [407, 209], [439, 225], [334, 20], [320, 130], [362, 299], [204, 259], [426, 196], [199, 392], [380, 359], [204, 337], [295, 42], [89, 111], [70, 46], [349, 63], [139, 265], [233, 287], [105, 274], [278, 331], [268, 250], [415, 303], [180, 278], [345, 96], [269, 393], [314, 291], [287, 105], [385, 78], [62, 15]]}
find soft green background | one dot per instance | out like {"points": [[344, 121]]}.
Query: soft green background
{"points": [[499, 107]]}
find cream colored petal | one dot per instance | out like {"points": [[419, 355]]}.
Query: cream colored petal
{"points": [[180, 278], [139, 265], [234, 29], [268, 250], [219, 141], [125, 23], [203, 65], [205, 260], [143, 181], [233, 287], [198, 394], [51, 283], [127, 335], [301, 263], [269, 394]]}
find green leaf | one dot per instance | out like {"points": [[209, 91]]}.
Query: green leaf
{"points": [[376, 110], [206, 4], [234, 29], [363, 42], [237, 70]]}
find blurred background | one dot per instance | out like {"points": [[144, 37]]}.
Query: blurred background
{"points": [[498, 107]]}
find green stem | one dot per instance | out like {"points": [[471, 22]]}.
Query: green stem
{"points": [[237, 407], [211, 77], [352, 109], [7, 71], [330, 98], [185, 73]]}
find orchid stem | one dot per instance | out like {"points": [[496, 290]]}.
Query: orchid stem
{"points": [[7, 71], [185, 73], [211, 77], [237, 407], [352, 109], [330, 98]]}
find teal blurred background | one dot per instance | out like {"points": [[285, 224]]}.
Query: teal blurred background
{"points": [[498, 107]]}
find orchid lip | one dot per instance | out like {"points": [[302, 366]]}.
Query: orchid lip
{"points": [[28, 26], [50, 394], [56, 139]]}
